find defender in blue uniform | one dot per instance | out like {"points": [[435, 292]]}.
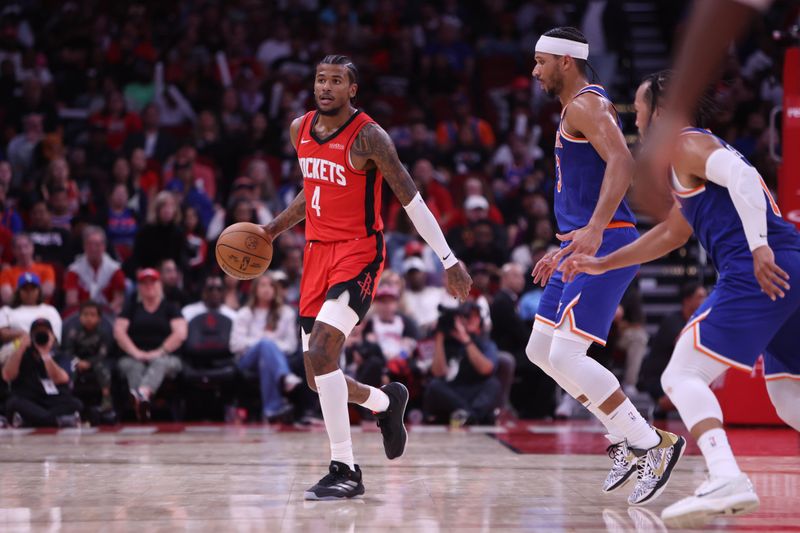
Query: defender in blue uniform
{"points": [[594, 170], [753, 309]]}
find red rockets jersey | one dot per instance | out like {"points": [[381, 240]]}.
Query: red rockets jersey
{"points": [[342, 203]]}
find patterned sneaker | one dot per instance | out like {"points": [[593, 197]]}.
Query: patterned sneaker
{"points": [[624, 464], [340, 483], [715, 497], [390, 421], [655, 466]]}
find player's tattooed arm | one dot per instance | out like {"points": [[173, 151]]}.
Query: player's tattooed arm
{"points": [[374, 145], [294, 213]]}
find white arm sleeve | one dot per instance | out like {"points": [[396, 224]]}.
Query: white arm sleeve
{"points": [[428, 228], [725, 168]]}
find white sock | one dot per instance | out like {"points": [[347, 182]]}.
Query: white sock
{"points": [[377, 401], [718, 454], [626, 421], [603, 418], [332, 389]]}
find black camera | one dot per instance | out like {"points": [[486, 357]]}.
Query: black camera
{"points": [[447, 315], [41, 338]]}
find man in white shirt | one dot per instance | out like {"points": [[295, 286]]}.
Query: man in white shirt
{"points": [[420, 301]]}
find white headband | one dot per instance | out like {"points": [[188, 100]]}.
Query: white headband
{"points": [[562, 47]]}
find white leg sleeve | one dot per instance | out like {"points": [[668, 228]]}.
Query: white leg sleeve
{"points": [[538, 351], [339, 314], [568, 356], [686, 381], [785, 396]]}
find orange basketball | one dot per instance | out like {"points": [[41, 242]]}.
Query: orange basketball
{"points": [[244, 251]]}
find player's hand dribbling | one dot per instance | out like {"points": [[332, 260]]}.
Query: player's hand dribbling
{"points": [[772, 279], [458, 281], [544, 268], [586, 240], [578, 263]]}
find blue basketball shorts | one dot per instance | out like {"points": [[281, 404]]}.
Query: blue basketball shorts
{"points": [[588, 303], [738, 322]]}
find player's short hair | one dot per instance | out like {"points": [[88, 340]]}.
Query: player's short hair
{"points": [[659, 83], [334, 59], [571, 34]]}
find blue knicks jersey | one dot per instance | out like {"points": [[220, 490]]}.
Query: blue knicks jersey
{"points": [[579, 176], [716, 223]]}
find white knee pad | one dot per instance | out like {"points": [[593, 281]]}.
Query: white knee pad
{"points": [[538, 351], [686, 381], [785, 396], [568, 357], [538, 348]]}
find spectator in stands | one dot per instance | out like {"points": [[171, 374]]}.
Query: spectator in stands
{"points": [[22, 247], [117, 122], [509, 331], [50, 244], [264, 335], [149, 332], [396, 333], [232, 297], [89, 346], [206, 354], [211, 301], [94, 275], [27, 306], [39, 392], [162, 236], [243, 197], [293, 268], [9, 218], [419, 299], [172, 282], [196, 252], [464, 388], [184, 184], [120, 222], [57, 177], [663, 342], [157, 144], [20, 150]]}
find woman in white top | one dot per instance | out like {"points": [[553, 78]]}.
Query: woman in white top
{"points": [[264, 334]]}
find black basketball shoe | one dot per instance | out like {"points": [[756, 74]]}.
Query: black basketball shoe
{"points": [[390, 421], [340, 483]]}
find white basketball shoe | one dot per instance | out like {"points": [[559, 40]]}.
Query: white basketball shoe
{"points": [[715, 497]]}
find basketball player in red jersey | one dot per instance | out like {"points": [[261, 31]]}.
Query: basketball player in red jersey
{"points": [[344, 157]]}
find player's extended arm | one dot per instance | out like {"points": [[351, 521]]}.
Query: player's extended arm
{"points": [[595, 118], [701, 156], [666, 236], [702, 50], [375, 145], [295, 212]]}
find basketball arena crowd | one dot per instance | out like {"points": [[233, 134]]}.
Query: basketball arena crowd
{"points": [[133, 133]]}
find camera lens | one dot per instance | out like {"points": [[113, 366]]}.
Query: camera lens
{"points": [[41, 338]]}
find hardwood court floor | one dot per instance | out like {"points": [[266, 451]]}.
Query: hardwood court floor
{"points": [[251, 478]]}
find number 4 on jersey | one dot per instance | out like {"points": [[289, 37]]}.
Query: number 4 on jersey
{"points": [[315, 200]]}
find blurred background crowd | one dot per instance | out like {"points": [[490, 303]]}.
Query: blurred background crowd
{"points": [[132, 133]]}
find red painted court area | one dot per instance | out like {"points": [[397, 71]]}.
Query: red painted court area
{"points": [[583, 437]]}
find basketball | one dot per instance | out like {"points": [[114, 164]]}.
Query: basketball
{"points": [[244, 251]]}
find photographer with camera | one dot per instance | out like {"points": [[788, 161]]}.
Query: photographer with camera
{"points": [[465, 389], [39, 393]]}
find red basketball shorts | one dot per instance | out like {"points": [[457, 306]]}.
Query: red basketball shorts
{"points": [[331, 268]]}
